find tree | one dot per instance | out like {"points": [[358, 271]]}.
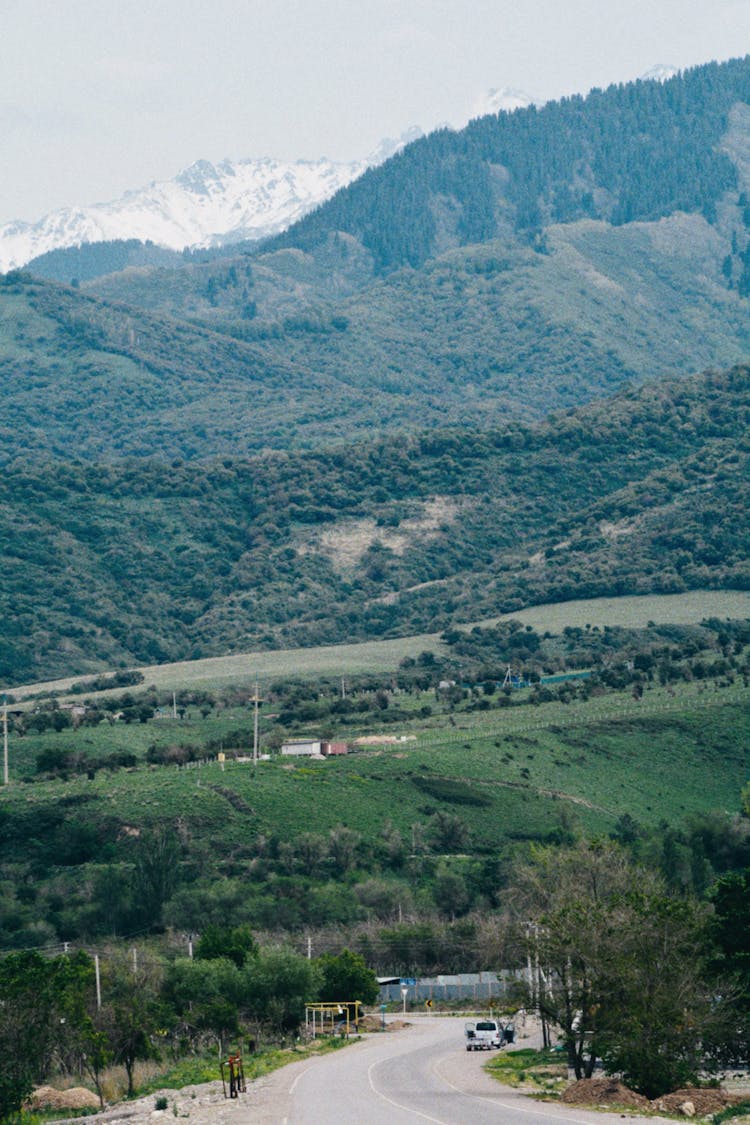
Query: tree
{"points": [[276, 985], [156, 872], [449, 833], [450, 892], [347, 977], [84, 1038], [731, 928], [26, 1014], [134, 1010], [39, 995], [236, 943], [619, 965], [667, 1009], [342, 847], [94, 1048], [205, 995]]}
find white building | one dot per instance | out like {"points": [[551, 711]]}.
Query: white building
{"points": [[302, 748]]}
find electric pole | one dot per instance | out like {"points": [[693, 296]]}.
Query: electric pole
{"points": [[256, 701], [5, 740]]}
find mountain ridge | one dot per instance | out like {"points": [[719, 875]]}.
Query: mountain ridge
{"points": [[151, 561], [205, 204]]}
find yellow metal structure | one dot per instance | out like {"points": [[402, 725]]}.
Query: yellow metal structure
{"points": [[339, 1017]]}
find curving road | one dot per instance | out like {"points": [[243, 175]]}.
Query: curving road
{"points": [[422, 1073]]}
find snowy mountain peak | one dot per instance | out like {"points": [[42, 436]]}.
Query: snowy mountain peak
{"points": [[388, 147], [659, 73], [504, 99], [204, 205]]}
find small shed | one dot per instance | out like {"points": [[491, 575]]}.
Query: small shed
{"points": [[333, 749], [301, 748]]}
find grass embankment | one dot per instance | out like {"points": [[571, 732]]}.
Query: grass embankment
{"points": [[544, 1072], [197, 1071], [160, 1079]]}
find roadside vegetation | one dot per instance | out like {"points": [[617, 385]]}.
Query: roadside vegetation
{"points": [[72, 1015], [545, 1071]]}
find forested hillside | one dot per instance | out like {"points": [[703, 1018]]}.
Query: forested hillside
{"points": [[397, 350], [145, 562], [95, 259], [86, 379], [632, 152], [531, 261]]}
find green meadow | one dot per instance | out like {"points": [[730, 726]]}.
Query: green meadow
{"points": [[516, 773]]}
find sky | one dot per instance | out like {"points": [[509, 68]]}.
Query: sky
{"points": [[101, 96]]}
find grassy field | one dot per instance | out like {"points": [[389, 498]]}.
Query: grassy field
{"points": [[511, 768], [673, 609], [513, 773], [384, 656], [244, 668]]}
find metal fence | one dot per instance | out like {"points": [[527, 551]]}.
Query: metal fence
{"points": [[463, 986]]}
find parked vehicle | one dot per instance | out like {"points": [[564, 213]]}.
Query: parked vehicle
{"points": [[483, 1035]]}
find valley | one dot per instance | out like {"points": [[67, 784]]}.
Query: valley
{"points": [[450, 479]]}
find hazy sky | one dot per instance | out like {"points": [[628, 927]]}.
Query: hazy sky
{"points": [[99, 96]]}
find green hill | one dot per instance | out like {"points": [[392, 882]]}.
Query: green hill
{"points": [[75, 264], [93, 380], [635, 152], [145, 562], [413, 484], [529, 262], [464, 780]]}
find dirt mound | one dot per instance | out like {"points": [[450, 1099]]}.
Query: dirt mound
{"points": [[47, 1097], [703, 1101], [603, 1091]]}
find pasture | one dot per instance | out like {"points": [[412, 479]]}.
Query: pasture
{"points": [[514, 773], [383, 657]]}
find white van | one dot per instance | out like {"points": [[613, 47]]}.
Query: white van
{"points": [[483, 1035]]}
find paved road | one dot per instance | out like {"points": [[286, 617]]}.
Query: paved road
{"points": [[419, 1074]]}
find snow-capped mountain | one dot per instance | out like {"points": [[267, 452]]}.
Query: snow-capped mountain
{"points": [[660, 73], [503, 99], [205, 205]]}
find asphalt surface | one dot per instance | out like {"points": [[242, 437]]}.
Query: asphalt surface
{"points": [[420, 1073]]}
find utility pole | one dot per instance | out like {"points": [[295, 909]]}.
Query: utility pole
{"points": [[256, 701], [98, 982], [5, 740]]}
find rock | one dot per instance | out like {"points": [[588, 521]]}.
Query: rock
{"points": [[687, 1109]]}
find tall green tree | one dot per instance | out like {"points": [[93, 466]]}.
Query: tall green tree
{"points": [[235, 942], [155, 872], [135, 1010], [28, 995], [622, 967], [347, 977]]}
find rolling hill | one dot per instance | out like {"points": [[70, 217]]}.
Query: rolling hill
{"points": [[340, 437], [529, 262], [144, 562]]}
